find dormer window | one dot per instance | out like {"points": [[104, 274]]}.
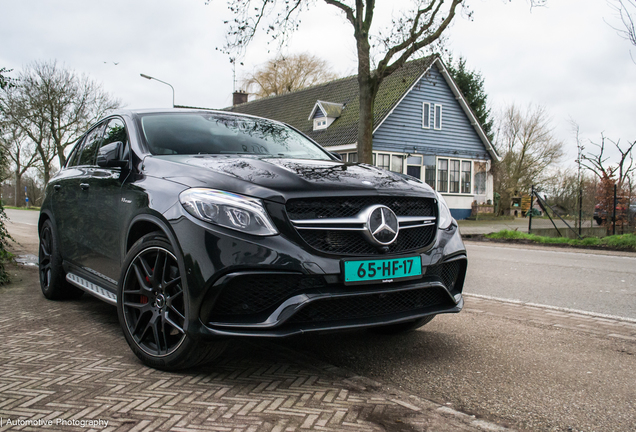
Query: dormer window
{"points": [[320, 123], [325, 113]]}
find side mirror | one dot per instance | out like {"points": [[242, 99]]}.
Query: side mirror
{"points": [[336, 155], [110, 155]]}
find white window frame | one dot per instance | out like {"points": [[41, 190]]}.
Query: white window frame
{"points": [[474, 184], [436, 117], [439, 177], [321, 123], [402, 162], [461, 177], [472, 175], [391, 154], [426, 120], [380, 153], [407, 164]]}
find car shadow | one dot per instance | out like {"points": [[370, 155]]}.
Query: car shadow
{"points": [[360, 351]]}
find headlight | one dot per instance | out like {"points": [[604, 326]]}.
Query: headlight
{"points": [[444, 214], [228, 210]]}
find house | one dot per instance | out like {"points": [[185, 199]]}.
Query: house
{"points": [[423, 127]]}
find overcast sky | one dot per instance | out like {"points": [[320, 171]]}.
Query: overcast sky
{"points": [[565, 56]]}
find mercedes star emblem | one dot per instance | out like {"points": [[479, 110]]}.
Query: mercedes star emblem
{"points": [[383, 225]]}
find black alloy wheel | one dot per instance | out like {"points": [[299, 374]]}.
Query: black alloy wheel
{"points": [[152, 307], [153, 303], [52, 276]]}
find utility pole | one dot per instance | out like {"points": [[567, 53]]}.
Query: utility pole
{"points": [[579, 158]]}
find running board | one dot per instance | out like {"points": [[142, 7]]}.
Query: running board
{"points": [[91, 288]]}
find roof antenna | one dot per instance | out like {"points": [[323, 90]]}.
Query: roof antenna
{"points": [[233, 61]]}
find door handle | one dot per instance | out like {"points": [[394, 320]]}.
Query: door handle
{"points": [[84, 186], [57, 187]]}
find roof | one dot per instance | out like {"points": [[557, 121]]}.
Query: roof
{"points": [[293, 108]]}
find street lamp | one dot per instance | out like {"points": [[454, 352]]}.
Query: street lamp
{"points": [[148, 77]]}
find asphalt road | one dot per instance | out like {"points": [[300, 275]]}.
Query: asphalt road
{"points": [[25, 217], [578, 280], [518, 372]]}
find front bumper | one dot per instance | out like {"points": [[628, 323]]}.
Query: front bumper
{"points": [[241, 285]]}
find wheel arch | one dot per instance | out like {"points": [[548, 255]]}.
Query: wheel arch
{"points": [[44, 216], [145, 224]]}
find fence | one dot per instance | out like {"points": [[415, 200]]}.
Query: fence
{"points": [[591, 213]]}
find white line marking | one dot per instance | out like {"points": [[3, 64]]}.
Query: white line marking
{"points": [[23, 223], [556, 308], [559, 252]]}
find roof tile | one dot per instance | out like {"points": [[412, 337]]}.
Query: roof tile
{"points": [[294, 108]]}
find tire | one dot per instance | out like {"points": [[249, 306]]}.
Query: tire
{"points": [[152, 305], [52, 275], [393, 329]]}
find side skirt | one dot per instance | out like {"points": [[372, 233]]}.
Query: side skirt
{"points": [[91, 288]]}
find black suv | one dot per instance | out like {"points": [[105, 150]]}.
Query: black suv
{"points": [[203, 225]]}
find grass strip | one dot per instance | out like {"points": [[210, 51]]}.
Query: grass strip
{"points": [[622, 242]]}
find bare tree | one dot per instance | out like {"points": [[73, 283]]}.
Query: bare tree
{"points": [[22, 113], [53, 106], [21, 152], [415, 29], [626, 11], [563, 189], [598, 162], [285, 74], [5, 81], [528, 148]]}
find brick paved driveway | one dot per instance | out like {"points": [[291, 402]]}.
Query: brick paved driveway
{"points": [[69, 361]]}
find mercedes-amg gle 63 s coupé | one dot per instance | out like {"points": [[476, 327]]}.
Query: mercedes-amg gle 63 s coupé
{"points": [[204, 226]]}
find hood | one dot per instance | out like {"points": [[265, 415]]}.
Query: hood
{"points": [[281, 179]]}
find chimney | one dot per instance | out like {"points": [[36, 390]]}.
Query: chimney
{"points": [[239, 97]]}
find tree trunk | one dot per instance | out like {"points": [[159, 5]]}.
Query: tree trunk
{"points": [[367, 91], [47, 173], [365, 125], [60, 154], [18, 188]]}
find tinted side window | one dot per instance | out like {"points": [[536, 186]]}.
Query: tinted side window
{"points": [[89, 148], [73, 158], [115, 131]]}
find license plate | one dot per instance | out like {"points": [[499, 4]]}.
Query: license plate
{"points": [[386, 270]]}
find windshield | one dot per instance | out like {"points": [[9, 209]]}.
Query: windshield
{"points": [[214, 133]]}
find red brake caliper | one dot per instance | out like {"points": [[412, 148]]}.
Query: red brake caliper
{"points": [[143, 299]]}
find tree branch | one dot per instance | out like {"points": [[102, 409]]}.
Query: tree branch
{"points": [[417, 45], [346, 9]]}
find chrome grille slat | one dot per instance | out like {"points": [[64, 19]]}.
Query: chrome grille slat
{"points": [[338, 225]]}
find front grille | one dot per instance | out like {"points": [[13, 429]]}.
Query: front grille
{"points": [[353, 242], [342, 207], [446, 272], [371, 305], [252, 294]]}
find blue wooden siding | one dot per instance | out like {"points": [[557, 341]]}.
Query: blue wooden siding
{"points": [[402, 130], [319, 113]]}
